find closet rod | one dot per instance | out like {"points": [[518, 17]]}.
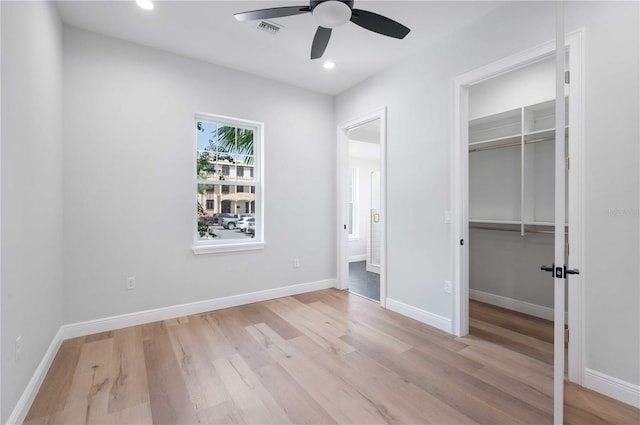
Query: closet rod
{"points": [[512, 144], [545, 232]]}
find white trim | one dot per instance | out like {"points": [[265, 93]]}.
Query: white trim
{"points": [[356, 258], [513, 304], [240, 246], [342, 156], [164, 313], [618, 389], [426, 317], [459, 189], [21, 409]]}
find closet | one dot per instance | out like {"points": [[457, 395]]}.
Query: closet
{"points": [[511, 189]]}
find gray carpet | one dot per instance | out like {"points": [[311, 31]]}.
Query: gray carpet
{"points": [[362, 282]]}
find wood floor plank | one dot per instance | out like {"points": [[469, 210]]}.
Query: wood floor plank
{"points": [[232, 325], [299, 406], [532, 347], [134, 415], [521, 323], [260, 313], [129, 386], [325, 331], [195, 360], [169, 399], [253, 401], [344, 403], [318, 358], [57, 383], [396, 399], [356, 326], [88, 396]]}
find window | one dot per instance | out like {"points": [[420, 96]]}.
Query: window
{"points": [[352, 200], [228, 183]]}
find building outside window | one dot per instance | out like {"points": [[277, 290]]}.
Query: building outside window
{"points": [[228, 180]]}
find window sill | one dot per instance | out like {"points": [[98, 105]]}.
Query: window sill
{"points": [[213, 249]]}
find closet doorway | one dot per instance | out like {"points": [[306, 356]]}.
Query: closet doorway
{"points": [[361, 207], [503, 204]]}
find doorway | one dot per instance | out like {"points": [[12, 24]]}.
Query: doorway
{"points": [[361, 206], [363, 209], [532, 124]]}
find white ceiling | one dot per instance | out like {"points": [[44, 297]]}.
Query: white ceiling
{"points": [[207, 30]]}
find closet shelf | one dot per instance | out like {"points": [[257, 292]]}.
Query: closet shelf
{"points": [[540, 223], [547, 134], [478, 221], [497, 142]]}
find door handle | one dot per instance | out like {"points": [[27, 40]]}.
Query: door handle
{"points": [[560, 272]]}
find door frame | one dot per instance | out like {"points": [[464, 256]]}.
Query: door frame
{"points": [[342, 238], [576, 203]]}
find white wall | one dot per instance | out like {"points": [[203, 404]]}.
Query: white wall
{"points": [[128, 179], [358, 247], [525, 86], [31, 189], [418, 96]]}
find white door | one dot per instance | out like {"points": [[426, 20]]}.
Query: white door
{"points": [[374, 232], [560, 269]]}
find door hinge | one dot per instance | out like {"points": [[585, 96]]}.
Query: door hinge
{"points": [[567, 77], [566, 250], [567, 162], [566, 336]]}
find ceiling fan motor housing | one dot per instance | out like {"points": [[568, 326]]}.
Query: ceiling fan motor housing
{"points": [[331, 13]]}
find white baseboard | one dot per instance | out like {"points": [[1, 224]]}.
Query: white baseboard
{"points": [[132, 319], [515, 305], [423, 316], [613, 387], [165, 313], [355, 258], [29, 394]]}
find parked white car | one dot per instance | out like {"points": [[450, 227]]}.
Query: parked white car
{"points": [[243, 223]]}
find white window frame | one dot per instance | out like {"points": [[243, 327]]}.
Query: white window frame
{"points": [[355, 202], [231, 245]]}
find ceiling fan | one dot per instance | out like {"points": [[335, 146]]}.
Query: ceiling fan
{"points": [[331, 14]]}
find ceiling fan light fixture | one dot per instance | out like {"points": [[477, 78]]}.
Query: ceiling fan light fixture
{"points": [[332, 13], [329, 65], [145, 4]]}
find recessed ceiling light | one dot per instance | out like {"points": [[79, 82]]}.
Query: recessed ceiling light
{"points": [[329, 65], [145, 4]]}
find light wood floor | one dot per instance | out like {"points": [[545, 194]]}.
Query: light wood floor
{"points": [[320, 358]]}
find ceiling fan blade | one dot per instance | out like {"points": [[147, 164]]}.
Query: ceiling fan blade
{"points": [[378, 23], [320, 42], [276, 12]]}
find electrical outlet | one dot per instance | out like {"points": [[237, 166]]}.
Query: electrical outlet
{"points": [[131, 282], [447, 286], [18, 348], [296, 263]]}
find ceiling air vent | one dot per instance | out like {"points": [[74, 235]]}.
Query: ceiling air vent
{"points": [[269, 27]]}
